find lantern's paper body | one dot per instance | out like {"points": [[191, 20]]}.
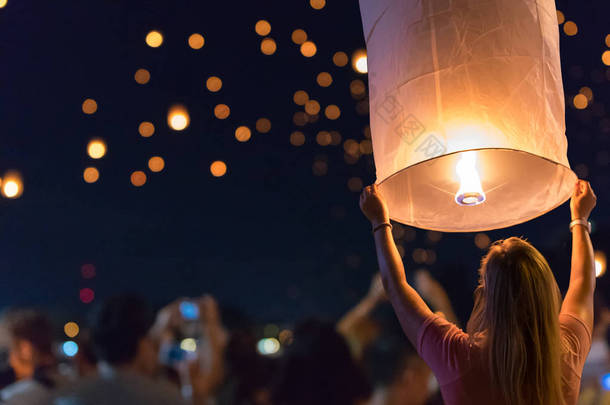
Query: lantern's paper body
{"points": [[448, 76]]}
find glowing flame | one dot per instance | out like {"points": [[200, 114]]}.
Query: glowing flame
{"points": [[471, 191]]}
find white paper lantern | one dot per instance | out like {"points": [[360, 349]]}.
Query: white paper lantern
{"points": [[467, 111]]}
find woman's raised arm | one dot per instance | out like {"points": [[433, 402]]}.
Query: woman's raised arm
{"points": [[579, 298], [410, 308]]}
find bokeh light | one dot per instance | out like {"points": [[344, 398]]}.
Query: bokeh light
{"points": [[323, 138], [3, 3], [146, 129], [89, 106], [332, 112], [299, 36], [560, 17], [188, 345], [587, 92], [142, 76], [214, 84], [268, 346], [300, 97], [606, 58], [70, 348], [178, 117], [218, 168], [570, 28], [317, 4], [355, 184], [366, 147], [71, 329], [12, 185], [357, 88], [297, 138], [196, 41], [324, 79], [319, 167], [308, 49], [580, 101], [268, 46], [87, 271], [222, 111], [263, 125], [482, 241], [608, 40], [96, 149], [91, 175], [86, 295], [600, 263], [312, 107], [154, 39], [138, 178], [360, 62], [243, 134], [156, 164], [262, 28], [340, 59]]}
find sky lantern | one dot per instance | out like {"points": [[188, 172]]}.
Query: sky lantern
{"points": [[467, 111]]}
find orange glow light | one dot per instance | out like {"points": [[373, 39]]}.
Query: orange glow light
{"points": [[214, 84], [138, 178], [299, 36], [196, 41], [156, 164], [178, 118], [89, 106], [340, 59], [243, 134], [154, 39], [359, 61], [96, 148], [308, 49], [268, 46], [218, 168], [263, 125], [91, 175], [262, 28], [142, 76], [12, 185], [146, 129], [570, 28], [222, 111]]}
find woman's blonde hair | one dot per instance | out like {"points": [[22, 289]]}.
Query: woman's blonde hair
{"points": [[517, 305]]}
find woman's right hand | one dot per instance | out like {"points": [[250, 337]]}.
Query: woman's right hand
{"points": [[583, 200]]}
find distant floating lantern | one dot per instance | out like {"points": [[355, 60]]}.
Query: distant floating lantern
{"points": [[91, 175], [12, 185], [154, 39], [142, 76], [178, 118], [360, 62], [96, 148], [299, 36], [196, 41], [308, 49], [468, 135]]}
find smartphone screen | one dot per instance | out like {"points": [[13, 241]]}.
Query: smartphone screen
{"points": [[189, 310]]}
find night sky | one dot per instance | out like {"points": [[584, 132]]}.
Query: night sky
{"points": [[270, 238]]}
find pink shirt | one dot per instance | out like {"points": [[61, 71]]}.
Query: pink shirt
{"points": [[462, 371]]}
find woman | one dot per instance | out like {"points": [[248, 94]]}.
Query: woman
{"points": [[523, 345]]}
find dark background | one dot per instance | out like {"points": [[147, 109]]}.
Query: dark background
{"points": [[270, 237]]}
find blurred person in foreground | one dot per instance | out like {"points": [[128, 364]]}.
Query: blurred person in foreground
{"points": [[29, 335], [126, 337], [398, 374], [317, 368], [523, 345]]}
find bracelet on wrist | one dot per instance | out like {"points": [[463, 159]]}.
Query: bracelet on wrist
{"points": [[382, 225], [581, 222]]}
